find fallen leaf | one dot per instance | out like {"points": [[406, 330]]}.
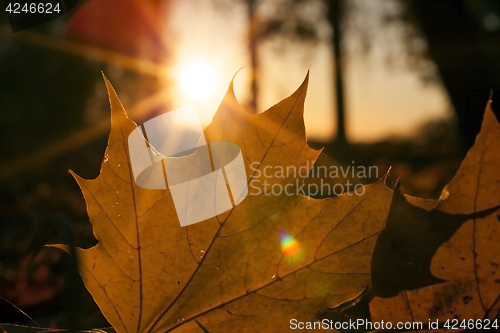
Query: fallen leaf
{"points": [[411, 238], [468, 262], [476, 185], [148, 274]]}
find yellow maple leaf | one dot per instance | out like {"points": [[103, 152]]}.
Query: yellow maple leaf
{"points": [[468, 263], [149, 274]]}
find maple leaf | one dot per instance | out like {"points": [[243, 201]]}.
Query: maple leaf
{"points": [[468, 262], [148, 274], [405, 248]]}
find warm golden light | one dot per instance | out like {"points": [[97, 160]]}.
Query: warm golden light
{"points": [[198, 80]]}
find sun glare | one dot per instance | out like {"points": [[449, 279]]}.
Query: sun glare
{"points": [[198, 80]]}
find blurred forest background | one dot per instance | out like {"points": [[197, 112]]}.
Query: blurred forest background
{"points": [[393, 83]]}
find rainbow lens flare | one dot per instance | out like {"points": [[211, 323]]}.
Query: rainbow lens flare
{"points": [[289, 245]]}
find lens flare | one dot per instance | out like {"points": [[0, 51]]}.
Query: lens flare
{"points": [[289, 245]]}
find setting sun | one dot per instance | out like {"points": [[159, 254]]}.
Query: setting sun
{"points": [[198, 80]]}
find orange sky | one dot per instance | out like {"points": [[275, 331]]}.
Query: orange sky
{"points": [[380, 102]]}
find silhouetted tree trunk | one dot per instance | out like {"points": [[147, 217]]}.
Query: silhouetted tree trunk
{"points": [[335, 8], [252, 48], [467, 56]]}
